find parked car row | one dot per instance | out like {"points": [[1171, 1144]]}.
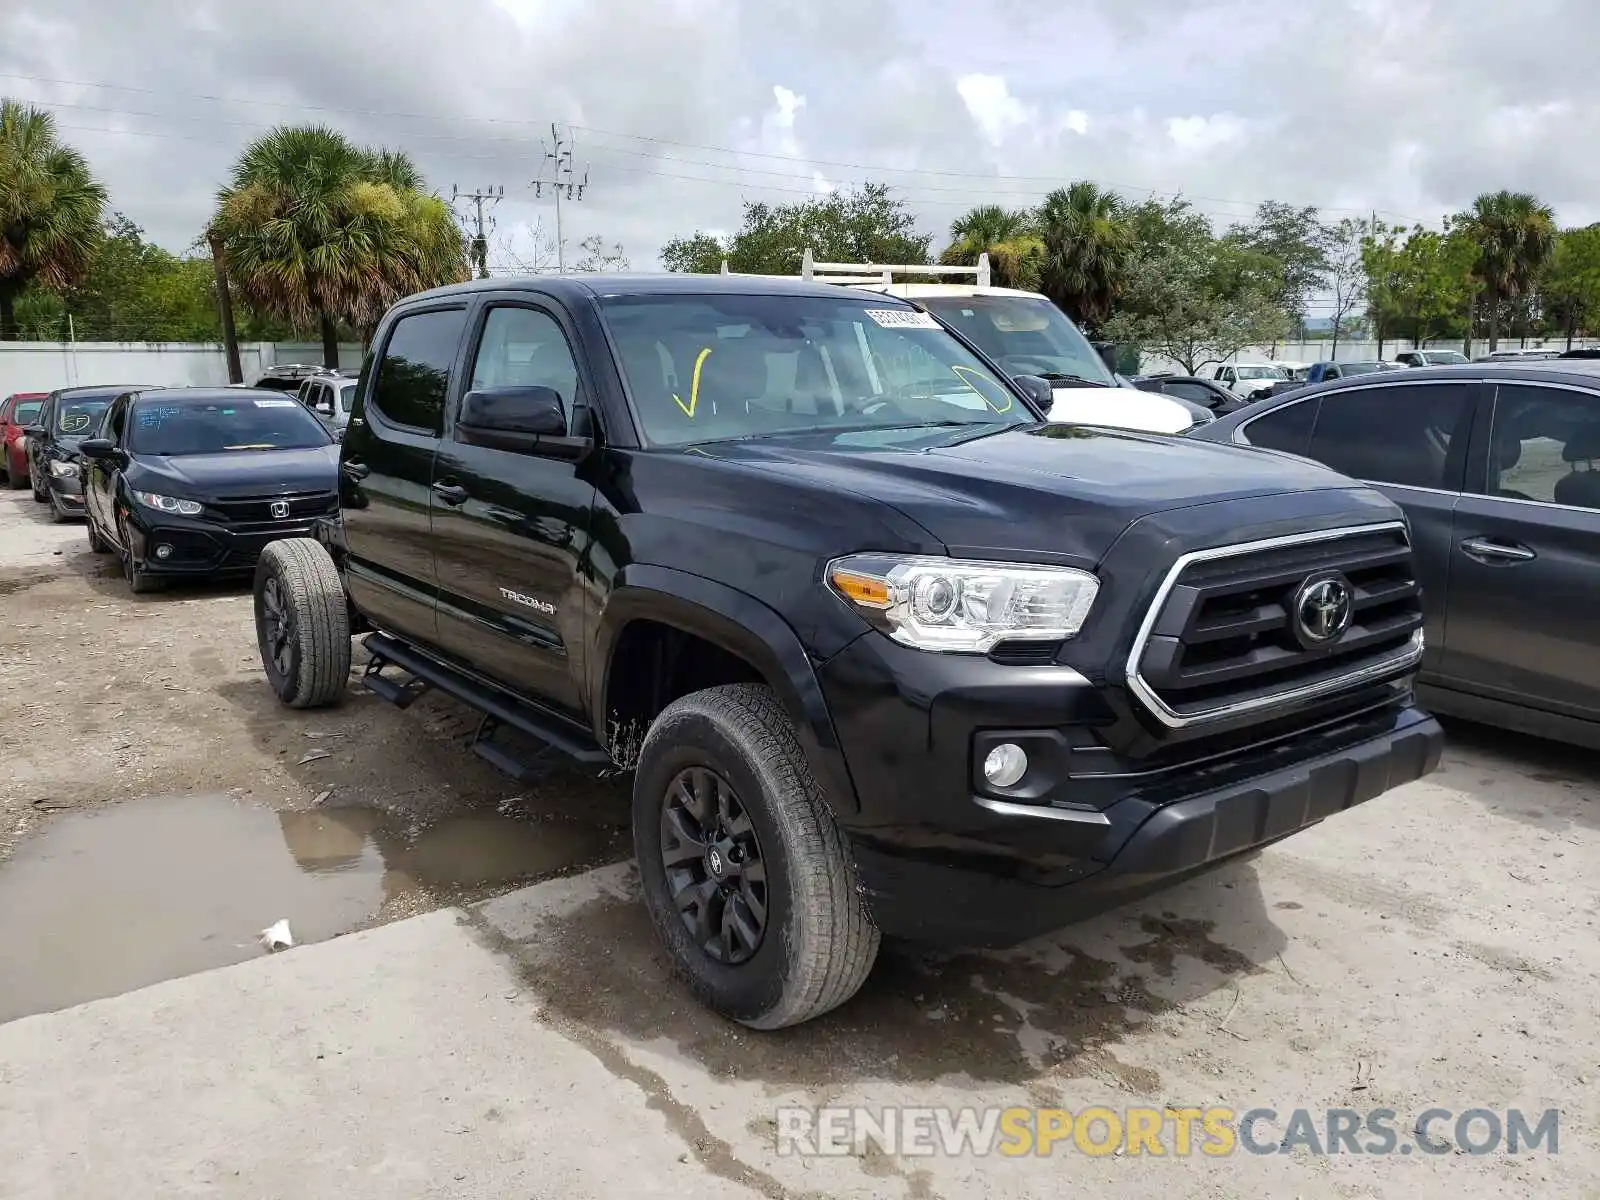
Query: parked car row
{"points": [[177, 482]]}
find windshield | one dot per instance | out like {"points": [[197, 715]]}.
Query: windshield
{"points": [[26, 414], [76, 418], [1026, 335], [218, 427], [1362, 368], [1445, 357], [714, 367], [1262, 373]]}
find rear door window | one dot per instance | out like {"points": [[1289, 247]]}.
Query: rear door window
{"points": [[414, 376], [1545, 446]]}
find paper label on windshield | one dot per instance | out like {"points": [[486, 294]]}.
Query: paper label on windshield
{"points": [[276, 403], [900, 318]]}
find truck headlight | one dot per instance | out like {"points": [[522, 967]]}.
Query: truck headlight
{"points": [[167, 504], [963, 605], [63, 470]]}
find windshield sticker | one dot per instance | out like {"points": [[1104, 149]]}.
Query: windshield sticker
{"points": [[972, 378], [149, 418], [75, 421], [694, 386], [899, 318], [276, 403]]}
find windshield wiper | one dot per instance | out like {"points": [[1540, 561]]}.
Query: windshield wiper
{"points": [[1058, 376]]}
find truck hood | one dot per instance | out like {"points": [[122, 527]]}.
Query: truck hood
{"points": [[1048, 492]]}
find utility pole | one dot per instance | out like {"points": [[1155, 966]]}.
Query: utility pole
{"points": [[562, 179], [480, 241]]}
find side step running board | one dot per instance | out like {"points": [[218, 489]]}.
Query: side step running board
{"points": [[497, 709]]}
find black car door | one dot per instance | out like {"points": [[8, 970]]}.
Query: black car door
{"points": [[99, 473], [386, 466], [1524, 626], [1409, 440], [510, 529]]}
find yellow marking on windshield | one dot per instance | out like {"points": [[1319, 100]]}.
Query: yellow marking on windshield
{"points": [[960, 373], [694, 386]]}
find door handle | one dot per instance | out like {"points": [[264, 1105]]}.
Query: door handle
{"points": [[451, 493], [355, 470], [1505, 551]]}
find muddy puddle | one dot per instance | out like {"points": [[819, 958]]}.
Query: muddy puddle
{"points": [[103, 902]]}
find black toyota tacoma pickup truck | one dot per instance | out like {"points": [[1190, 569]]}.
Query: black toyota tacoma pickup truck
{"points": [[886, 652]]}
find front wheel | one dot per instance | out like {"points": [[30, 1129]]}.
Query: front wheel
{"points": [[140, 582], [302, 623], [747, 876], [97, 544]]}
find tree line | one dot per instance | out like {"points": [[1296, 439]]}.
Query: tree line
{"points": [[1160, 275], [315, 236]]}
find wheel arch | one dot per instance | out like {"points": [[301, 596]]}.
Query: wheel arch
{"points": [[736, 625]]}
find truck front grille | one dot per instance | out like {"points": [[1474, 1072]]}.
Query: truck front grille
{"points": [[1252, 626]]}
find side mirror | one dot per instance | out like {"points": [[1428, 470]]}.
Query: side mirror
{"points": [[524, 420], [97, 448], [1108, 355], [1036, 389]]}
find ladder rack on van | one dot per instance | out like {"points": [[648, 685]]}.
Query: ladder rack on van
{"points": [[847, 274]]}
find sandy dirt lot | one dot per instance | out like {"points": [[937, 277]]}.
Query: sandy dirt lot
{"points": [[1435, 948]]}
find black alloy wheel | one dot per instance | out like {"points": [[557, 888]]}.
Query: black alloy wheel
{"points": [[714, 868], [277, 626]]}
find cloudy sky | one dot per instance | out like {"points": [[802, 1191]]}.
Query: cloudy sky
{"points": [[680, 110]]}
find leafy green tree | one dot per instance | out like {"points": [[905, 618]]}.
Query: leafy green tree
{"points": [[1514, 235], [316, 229], [1570, 287], [49, 209], [1419, 286], [1297, 241], [1008, 236], [1088, 243], [870, 224], [1192, 297]]}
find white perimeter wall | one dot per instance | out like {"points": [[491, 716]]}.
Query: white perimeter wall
{"points": [[45, 366]]}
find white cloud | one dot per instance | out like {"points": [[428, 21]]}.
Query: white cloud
{"points": [[989, 100], [1410, 107]]}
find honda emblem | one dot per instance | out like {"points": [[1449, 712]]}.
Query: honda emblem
{"points": [[280, 508]]}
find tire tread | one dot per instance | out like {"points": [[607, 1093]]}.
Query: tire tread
{"points": [[322, 620]]}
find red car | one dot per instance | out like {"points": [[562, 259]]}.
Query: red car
{"points": [[17, 412]]}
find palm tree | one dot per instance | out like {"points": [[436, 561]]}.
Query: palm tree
{"points": [[1088, 241], [316, 229], [1007, 236], [1515, 235], [50, 209]]}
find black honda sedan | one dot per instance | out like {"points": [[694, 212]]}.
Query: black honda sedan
{"points": [[1497, 466], [193, 482]]}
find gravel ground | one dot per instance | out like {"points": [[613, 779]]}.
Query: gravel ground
{"points": [[1436, 947]]}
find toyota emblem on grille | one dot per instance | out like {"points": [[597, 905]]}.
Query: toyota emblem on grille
{"points": [[1323, 607], [280, 508]]}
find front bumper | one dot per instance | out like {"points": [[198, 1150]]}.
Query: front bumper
{"points": [[202, 548], [65, 491], [946, 858]]}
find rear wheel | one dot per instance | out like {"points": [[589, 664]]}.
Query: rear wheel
{"points": [[747, 876], [302, 623]]}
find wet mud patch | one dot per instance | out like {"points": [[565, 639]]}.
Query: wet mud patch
{"points": [[104, 901], [1007, 1018]]}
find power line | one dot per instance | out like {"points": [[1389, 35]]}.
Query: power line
{"points": [[480, 242], [653, 140]]}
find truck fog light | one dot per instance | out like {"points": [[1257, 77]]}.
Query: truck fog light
{"points": [[165, 551], [1005, 765]]}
